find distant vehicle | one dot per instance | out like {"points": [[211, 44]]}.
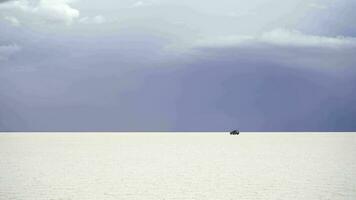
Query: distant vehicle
{"points": [[234, 132]]}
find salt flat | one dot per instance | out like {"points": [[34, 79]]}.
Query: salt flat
{"points": [[100, 166]]}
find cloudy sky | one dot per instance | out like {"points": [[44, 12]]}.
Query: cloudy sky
{"points": [[169, 65]]}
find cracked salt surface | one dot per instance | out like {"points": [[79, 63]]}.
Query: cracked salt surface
{"points": [[177, 166]]}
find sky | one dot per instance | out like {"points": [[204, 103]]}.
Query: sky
{"points": [[168, 65]]}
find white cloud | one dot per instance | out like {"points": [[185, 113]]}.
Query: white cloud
{"points": [[41, 11], [317, 6], [7, 50], [296, 38], [56, 10], [12, 20], [138, 4], [93, 20], [227, 40], [143, 3], [280, 37]]}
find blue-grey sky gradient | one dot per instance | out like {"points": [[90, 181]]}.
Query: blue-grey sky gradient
{"points": [[154, 65]]}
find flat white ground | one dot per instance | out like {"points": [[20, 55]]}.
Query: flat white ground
{"points": [[177, 166]]}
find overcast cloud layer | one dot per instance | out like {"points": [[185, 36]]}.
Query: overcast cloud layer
{"points": [[154, 65]]}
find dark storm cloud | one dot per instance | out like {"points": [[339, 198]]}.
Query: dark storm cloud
{"points": [[262, 88], [131, 83], [270, 88], [3, 1]]}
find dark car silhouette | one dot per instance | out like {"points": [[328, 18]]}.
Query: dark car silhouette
{"points": [[235, 132]]}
